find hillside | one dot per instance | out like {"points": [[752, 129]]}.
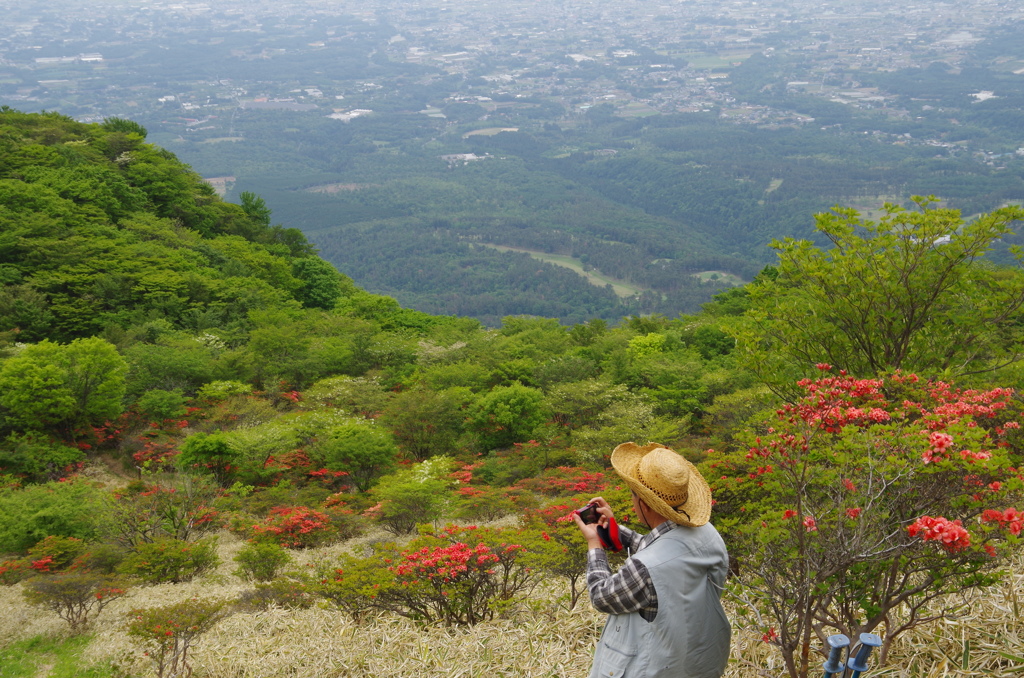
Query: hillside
{"points": [[184, 384]]}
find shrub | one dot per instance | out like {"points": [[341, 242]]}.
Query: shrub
{"points": [[101, 558], [146, 513], [35, 458], [286, 593], [483, 503], [364, 451], [28, 515], [260, 561], [437, 578], [74, 596], [171, 560], [285, 493], [347, 524], [54, 554], [565, 480], [295, 527], [864, 503], [159, 405], [414, 495], [14, 571], [555, 546], [212, 452], [170, 631]]}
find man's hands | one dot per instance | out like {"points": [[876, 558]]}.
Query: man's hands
{"points": [[604, 512]]}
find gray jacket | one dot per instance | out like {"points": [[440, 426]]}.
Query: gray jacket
{"points": [[689, 637]]}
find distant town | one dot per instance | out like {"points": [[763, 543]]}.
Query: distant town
{"points": [[645, 58]]}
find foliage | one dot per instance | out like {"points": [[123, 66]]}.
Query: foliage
{"points": [[864, 502], [76, 597], [364, 451], [565, 480], [507, 415], [414, 495], [170, 631], [35, 458], [157, 404], [13, 571], [171, 560], [49, 386], [907, 292], [54, 554], [30, 514], [146, 513], [260, 561], [427, 422], [283, 592], [295, 527], [212, 452]]}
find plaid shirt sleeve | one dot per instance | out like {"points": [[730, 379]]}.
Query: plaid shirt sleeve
{"points": [[628, 590]]}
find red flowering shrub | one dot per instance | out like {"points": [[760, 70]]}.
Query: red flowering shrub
{"points": [[54, 554], [170, 631], [555, 545], [565, 480], [865, 501], [145, 513], [295, 527], [459, 576], [14, 571]]}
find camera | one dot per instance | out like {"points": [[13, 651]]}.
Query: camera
{"points": [[588, 514]]}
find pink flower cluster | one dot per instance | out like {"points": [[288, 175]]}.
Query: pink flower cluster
{"points": [[951, 535], [1011, 519]]}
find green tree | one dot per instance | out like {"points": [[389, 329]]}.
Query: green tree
{"points": [[414, 495], [211, 451], [63, 387], [365, 451], [427, 422], [507, 415], [908, 292]]}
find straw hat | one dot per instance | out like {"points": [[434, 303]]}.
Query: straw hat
{"points": [[668, 483]]}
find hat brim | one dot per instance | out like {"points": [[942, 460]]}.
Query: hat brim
{"points": [[694, 512]]}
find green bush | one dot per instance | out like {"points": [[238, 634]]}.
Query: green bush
{"points": [[414, 495], [36, 459], [346, 523], [286, 593], [171, 560], [158, 405], [260, 561], [74, 596], [101, 558], [28, 515]]}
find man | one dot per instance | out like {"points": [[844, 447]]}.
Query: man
{"points": [[665, 614]]}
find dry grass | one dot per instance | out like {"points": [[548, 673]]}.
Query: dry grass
{"points": [[541, 640]]}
